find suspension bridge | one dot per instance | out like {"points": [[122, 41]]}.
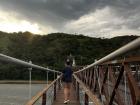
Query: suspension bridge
{"points": [[107, 81]]}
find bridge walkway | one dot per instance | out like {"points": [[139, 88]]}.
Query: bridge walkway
{"points": [[60, 97]]}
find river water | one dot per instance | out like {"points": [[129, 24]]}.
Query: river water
{"points": [[18, 94]]}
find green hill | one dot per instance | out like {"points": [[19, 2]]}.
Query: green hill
{"points": [[51, 50]]}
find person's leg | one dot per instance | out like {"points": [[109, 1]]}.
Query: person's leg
{"points": [[65, 91], [69, 89]]}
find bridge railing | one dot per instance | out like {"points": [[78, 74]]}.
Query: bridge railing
{"points": [[114, 82], [124, 74], [84, 94], [13, 60], [47, 95]]}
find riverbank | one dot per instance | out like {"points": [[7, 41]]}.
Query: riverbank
{"points": [[23, 82]]}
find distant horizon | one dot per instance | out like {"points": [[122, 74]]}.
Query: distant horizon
{"points": [[68, 33]]}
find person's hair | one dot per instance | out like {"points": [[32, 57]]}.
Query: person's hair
{"points": [[68, 63]]}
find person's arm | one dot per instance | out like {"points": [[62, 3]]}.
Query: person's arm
{"points": [[71, 70], [62, 78]]}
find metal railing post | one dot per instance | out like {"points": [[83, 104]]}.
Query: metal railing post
{"points": [[47, 77], [59, 84], [125, 94], [44, 99], [55, 91], [86, 99], [77, 91], [30, 80]]}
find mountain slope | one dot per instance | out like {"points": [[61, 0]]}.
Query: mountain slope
{"points": [[52, 50]]}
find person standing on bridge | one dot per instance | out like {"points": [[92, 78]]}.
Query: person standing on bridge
{"points": [[67, 79]]}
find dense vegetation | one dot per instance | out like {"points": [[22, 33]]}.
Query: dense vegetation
{"points": [[52, 50]]}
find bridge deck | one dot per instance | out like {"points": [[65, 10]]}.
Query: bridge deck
{"points": [[60, 98]]}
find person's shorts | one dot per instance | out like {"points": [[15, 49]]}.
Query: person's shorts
{"points": [[67, 84]]}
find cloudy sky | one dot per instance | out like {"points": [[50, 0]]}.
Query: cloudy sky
{"points": [[96, 18]]}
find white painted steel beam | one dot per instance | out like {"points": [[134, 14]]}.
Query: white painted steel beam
{"points": [[9, 59]]}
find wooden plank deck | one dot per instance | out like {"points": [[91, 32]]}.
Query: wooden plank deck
{"points": [[60, 98]]}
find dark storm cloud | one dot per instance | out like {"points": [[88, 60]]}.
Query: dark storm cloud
{"points": [[54, 12], [57, 12]]}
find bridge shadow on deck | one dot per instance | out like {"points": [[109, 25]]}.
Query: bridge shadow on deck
{"points": [[60, 98]]}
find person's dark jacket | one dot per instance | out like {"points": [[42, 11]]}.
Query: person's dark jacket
{"points": [[67, 74]]}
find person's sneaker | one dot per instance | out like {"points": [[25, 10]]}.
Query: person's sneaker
{"points": [[65, 102]]}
